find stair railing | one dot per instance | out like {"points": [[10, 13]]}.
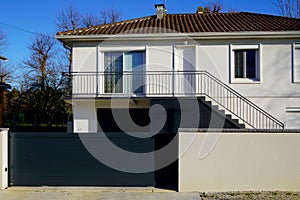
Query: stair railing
{"points": [[232, 101], [177, 83]]}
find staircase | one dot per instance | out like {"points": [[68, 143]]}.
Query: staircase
{"points": [[210, 115], [216, 117], [174, 84], [234, 103]]}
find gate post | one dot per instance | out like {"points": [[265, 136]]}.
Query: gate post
{"points": [[3, 158]]}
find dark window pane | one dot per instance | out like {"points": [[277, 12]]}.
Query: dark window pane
{"points": [[113, 68], [251, 64], [238, 64]]}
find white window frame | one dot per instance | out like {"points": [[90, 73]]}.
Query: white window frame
{"points": [[123, 51], [104, 49], [114, 48], [233, 48], [296, 46]]}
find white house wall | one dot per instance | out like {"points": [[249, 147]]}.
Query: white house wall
{"points": [[85, 117], [274, 93], [85, 59], [159, 58]]}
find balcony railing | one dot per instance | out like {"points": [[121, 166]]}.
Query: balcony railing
{"points": [[170, 84]]}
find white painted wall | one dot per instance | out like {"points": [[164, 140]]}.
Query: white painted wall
{"points": [[3, 158], [159, 58], [85, 117], [276, 90], [274, 93], [292, 117], [216, 162], [85, 59]]}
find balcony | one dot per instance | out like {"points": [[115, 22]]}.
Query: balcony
{"points": [[170, 84], [137, 84]]}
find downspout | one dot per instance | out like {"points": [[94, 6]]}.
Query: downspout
{"points": [[97, 71], [173, 71]]}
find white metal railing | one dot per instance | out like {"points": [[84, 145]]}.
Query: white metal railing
{"points": [[170, 83]]}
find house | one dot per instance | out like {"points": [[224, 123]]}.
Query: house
{"points": [[245, 65]]}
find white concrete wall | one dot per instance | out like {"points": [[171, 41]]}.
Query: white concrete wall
{"points": [[3, 158], [85, 117], [239, 161], [274, 93]]}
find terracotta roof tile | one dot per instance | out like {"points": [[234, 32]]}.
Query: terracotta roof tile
{"points": [[194, 23]]}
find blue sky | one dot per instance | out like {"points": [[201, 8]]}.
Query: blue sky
{"points": [[39, 16]]}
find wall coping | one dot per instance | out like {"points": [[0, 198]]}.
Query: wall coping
{"points": [[240, 130]]}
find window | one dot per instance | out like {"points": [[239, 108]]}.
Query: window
{"points": [[113, 68], [123, 72], [296, 66], [245, 64]]}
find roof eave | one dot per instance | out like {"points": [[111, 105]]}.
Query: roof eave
{"points": [[174, 36]]}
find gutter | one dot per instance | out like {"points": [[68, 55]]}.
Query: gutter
{"points": [[177, 36]]}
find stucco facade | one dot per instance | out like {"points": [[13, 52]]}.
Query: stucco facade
{"points": [[276, 91]]}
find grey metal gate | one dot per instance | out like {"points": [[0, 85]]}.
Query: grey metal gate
{"points": [[60, 159]]}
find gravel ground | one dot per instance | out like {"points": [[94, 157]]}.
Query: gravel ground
{"points": [[277, 195]]}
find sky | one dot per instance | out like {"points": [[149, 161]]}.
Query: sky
{"points": [[20, 20]]}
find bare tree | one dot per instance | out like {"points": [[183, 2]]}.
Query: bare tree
{"points": [[43, 97], [109, 16], [104, 17], [71, 19], [288, 8], [114, 15], [40, 59], [7, 72], [3, 67], [89, 20], [215, 6], [68, 19], [4, 73]]}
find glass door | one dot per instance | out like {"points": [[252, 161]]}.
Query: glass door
{"points": [[134, 72], [113, 72]]}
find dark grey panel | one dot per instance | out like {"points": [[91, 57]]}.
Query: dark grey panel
{"points": [[60, 159]]}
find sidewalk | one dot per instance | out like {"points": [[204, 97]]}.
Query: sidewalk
{"points": [[74, 193], [105, 193]]}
